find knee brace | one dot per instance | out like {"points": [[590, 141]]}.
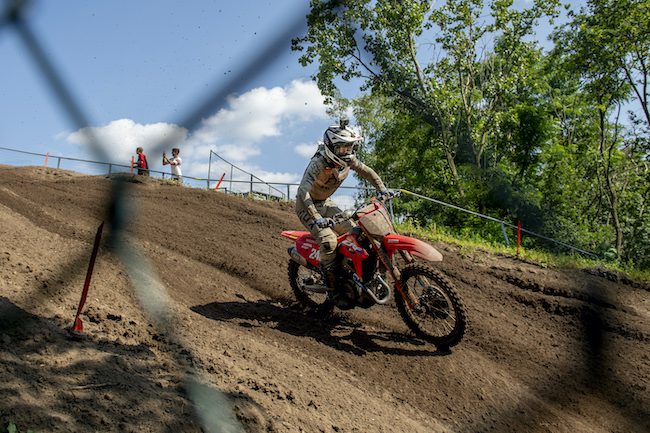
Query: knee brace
{"points": [[327, 247]]}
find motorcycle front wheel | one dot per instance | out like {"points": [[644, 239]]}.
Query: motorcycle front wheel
{"points": [[430, 306], [299, 276]]}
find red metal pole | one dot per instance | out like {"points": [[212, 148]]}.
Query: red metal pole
{"points": [[518, 235], [78, 325], [47, 154], [219, 183]]}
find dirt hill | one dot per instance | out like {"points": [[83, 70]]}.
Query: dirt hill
{"points": [[547, 350]]}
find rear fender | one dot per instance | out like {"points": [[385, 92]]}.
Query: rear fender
{"points": [[394, 242], [294, 234]]}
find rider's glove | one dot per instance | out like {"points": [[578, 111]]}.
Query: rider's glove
{"points": [[323, 223], [384, 195]]}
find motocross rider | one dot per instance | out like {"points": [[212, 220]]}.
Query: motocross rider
{"points": [[326, 171]]}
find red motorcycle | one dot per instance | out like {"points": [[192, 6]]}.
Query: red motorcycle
{"points": [[371, 252]]}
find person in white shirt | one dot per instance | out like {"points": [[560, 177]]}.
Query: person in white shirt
{"points": [[175, 163]]}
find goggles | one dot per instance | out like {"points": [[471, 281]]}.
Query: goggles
{"points": [[346, 149]]}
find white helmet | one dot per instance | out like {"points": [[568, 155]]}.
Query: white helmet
{"points": [[340, 145]]}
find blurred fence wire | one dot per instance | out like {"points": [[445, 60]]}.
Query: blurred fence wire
{"points": [[149, 290], [12, 19]]}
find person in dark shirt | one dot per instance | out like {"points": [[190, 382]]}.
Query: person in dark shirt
{"points": [[141, 163]]}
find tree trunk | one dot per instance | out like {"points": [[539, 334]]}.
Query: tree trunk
{"points": [[454, 171], [611, 192]]}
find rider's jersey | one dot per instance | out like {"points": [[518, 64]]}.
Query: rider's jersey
{"points": [[321, 180]]}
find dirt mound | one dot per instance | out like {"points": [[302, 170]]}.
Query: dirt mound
{"points": [[547, 350]]}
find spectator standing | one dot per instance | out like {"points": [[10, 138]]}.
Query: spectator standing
{"points": [[141, 164], [175, 163]]}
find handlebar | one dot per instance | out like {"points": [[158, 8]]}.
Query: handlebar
{"points": [[351, 213]]}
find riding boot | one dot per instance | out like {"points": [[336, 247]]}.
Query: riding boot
{"points": [[335, 294], [329, 272]]}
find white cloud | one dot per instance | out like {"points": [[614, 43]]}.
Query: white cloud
{"points": [[233, 152], [306, 150], [121, 137], [252, 124], [265, 175], [278, 177], [305, 100], [256, 115]]}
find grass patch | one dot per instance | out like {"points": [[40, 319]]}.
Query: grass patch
{"points": [[11, 428], [471, 243]]}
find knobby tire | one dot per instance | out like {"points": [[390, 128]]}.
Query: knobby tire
{"points": [[293, 271], [451, 299]]}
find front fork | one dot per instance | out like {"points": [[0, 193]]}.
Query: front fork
{"points": [[394, 272]]}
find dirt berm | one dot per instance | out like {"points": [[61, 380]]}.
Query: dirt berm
{"points": [[547, 350]]}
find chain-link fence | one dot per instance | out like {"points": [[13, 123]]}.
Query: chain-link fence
{"points": [[149, 290], [147, 284]]}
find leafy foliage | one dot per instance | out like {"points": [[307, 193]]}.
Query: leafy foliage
{"points": [[465, 107]]}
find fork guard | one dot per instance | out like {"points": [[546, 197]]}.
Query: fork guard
{"points": [[394, 242]]}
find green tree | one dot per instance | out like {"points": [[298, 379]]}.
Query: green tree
{"points": [[610, 40], [463, 106], [380, 44], [608, 45]]}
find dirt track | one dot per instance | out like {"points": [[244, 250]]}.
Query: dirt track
{"points": [[547, 350]]}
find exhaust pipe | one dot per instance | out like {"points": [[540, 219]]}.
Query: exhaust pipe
{"points": [[361, 288], [385, 299], [296, 257]]}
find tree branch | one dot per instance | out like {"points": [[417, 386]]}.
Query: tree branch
{"points": [[418, 70]]}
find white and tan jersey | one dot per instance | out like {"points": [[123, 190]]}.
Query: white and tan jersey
{"points": [[321, 180]]}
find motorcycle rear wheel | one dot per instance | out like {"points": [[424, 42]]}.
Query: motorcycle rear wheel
{"points": [[298, 277], [434, 311]]}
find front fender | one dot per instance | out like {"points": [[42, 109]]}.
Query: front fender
{"points": [[394, 242], [293, 234]]}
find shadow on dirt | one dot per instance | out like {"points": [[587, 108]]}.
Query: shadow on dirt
{"points": [[330, 331], [100, 384], [593, 373]]}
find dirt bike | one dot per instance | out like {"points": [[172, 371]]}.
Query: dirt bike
{"points": [[368, 254]]}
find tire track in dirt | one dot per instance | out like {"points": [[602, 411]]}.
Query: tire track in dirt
{"points": [[224, 264]]}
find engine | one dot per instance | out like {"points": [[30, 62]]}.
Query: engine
{"points": [[353, 286]]}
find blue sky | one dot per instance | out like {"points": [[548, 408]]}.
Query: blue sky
{"points": [[139, 67]]}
